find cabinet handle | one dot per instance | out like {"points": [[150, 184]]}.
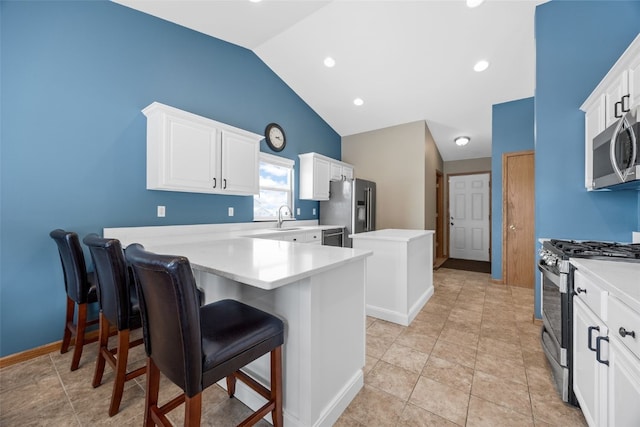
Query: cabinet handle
{"points": [[604, 362], [224, 184], [214, 183], [625, 109], [623, 332], [581, 291], [589, 338], [615, 109]]}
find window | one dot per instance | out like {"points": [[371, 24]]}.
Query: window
{"points": [[276, 187]]}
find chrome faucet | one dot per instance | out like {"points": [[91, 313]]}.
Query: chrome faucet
{"points": [[280, 214]]}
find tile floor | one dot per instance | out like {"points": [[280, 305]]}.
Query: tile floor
{"points": [[471, 358]]}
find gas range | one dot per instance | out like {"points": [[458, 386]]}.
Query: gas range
{"points": [[555, 253]]}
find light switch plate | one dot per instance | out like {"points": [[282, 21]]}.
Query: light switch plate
{"points": [[161, 211], [230, 211], [314, 211], [297, 211]]}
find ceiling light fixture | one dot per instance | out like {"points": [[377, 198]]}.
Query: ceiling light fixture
{"points": [[462, 140], [329, 62], [474, 3], [255, 1], [481, 66], [358, 101]]}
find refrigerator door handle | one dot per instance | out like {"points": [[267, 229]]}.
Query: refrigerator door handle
{"points": [[368, 208]]}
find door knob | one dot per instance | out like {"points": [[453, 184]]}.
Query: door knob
{"points": [[512, 227]]}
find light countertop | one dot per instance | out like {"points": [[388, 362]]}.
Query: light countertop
{"points": [[622, 278], [263, 263], [392, 234]]}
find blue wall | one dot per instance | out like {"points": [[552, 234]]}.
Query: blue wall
{"points": [[512, 130], [577, 42], [75, 76]]}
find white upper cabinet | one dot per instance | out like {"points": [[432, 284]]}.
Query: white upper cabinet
{"points": [[616, 94], [190, 153], [316, 171], [341, 171]]}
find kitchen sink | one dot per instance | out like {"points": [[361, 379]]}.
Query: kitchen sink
{"points": [[286, 229]]}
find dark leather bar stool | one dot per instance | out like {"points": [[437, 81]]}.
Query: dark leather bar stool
{"points": [[81, 291], [197, 346], [118, 307]]}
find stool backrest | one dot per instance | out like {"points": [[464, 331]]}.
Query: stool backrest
{"points": [[73, 264], [114, 281], [170, 315]]}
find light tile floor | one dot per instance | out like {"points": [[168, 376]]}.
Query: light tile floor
{"points": [[471, 358]]}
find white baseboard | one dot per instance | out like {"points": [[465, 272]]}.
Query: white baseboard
{"points": [[394, 316]]}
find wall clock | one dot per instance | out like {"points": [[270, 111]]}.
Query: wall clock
{"points": [[276, 140]]}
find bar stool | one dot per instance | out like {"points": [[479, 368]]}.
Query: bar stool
{"points": [[81, 291], [119, 307], [195, 346]]}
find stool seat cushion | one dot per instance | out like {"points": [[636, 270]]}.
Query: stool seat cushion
{"points": [[234, 333]]}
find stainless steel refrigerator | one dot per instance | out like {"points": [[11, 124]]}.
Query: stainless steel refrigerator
{"points": [[352, 204]]}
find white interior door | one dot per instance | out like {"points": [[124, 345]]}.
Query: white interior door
{"points": [[469, 217]]}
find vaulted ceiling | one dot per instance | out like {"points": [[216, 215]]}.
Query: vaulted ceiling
{"points": [[407, 60]]}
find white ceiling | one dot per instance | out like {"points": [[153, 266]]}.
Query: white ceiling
{"points": [[408, 60]]}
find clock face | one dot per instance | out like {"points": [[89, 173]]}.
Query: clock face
{"points": [[275, 137]]}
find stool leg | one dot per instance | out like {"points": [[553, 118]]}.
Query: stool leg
{"points": [[121, 371], [193, 410], [66, 336], [82, 323], [151, 396], [276, 386], [231, 385], [102, 347]]}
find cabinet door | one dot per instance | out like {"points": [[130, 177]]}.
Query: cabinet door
{"points": [[240, 164], [321, 171], [336, 171], [347, 171], [634, 83], [613, 94], [624, 386], [589, 375], [190, 152]]}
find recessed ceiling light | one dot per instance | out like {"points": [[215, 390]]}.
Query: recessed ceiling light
{"points": [[481, 66], [358, 101], [329, 62], [255, 1], [474, 3], [462, 140]]}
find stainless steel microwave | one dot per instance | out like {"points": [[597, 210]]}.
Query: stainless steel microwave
{"points": [[616, 163]]}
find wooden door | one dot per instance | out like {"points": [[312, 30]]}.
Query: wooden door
{"points": [[469, 217], [518, 248]]}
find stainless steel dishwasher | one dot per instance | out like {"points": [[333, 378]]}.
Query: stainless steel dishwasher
{"points": [[333, 237]]}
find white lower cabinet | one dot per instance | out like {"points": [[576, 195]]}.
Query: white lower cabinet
{"points": [[624, 385], [606, 345], [589, 375]]}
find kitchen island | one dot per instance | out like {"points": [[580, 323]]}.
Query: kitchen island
{"points": [[399, 274], [318, 291]]}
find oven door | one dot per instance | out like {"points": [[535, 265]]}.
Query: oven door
{"points": [[556, 315]]}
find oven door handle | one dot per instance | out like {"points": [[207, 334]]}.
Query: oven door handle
{"points": [[560, 280]]}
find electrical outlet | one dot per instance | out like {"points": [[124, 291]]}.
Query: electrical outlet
{"points": [[297, 211], [230, 211], [314, 211], [161, 211]]}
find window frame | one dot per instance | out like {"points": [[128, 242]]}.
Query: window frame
{"points": [[281, 162]]}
